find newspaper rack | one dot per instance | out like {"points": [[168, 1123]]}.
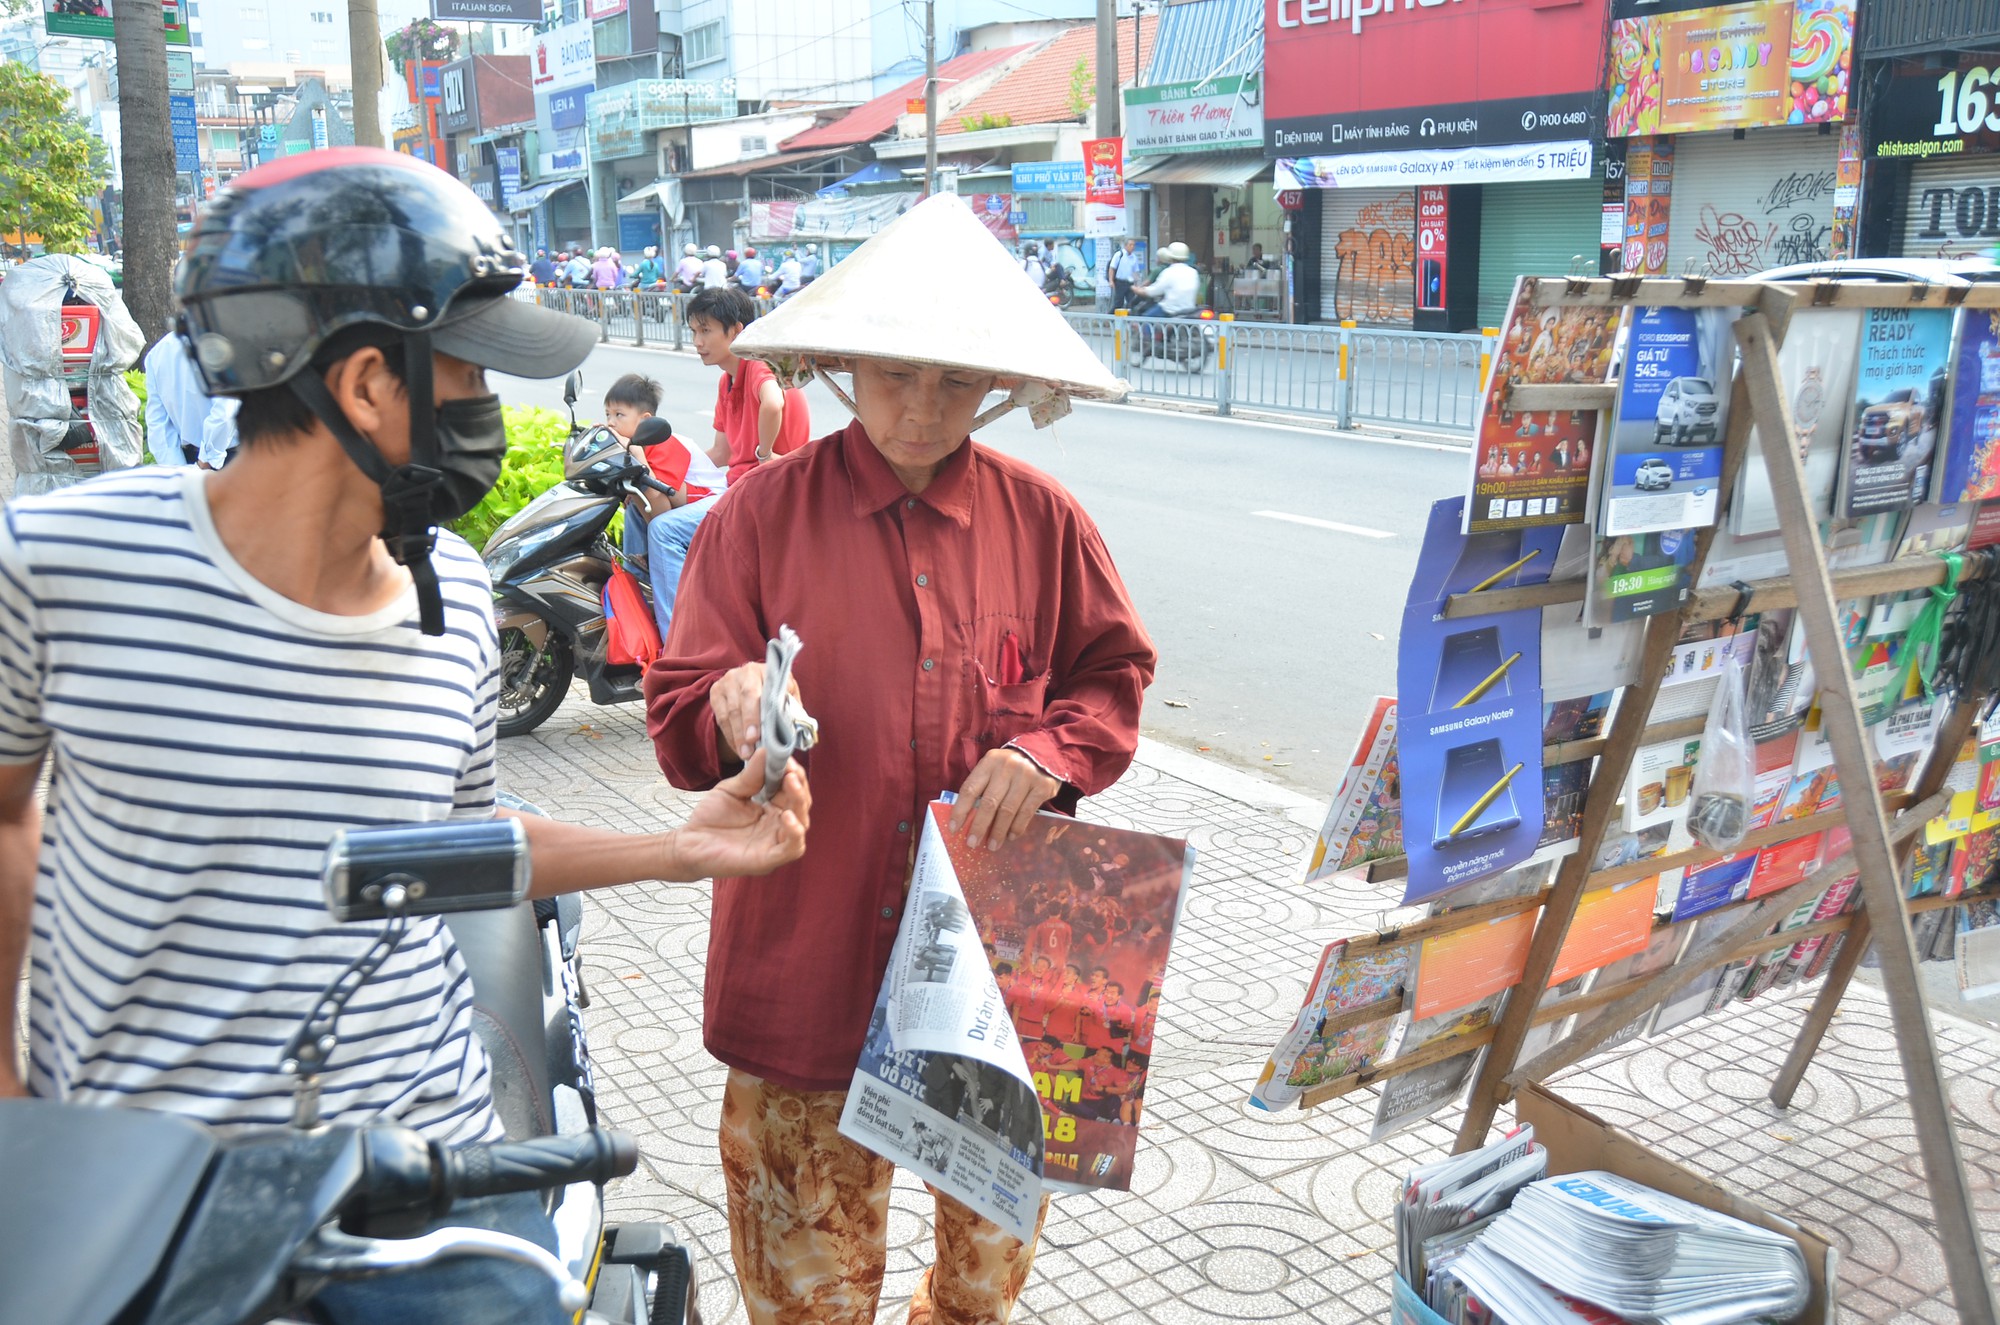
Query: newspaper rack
{"points": [[1880, 845]]}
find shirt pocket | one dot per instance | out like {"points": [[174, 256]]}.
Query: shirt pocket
{"points": [[997, 710]]}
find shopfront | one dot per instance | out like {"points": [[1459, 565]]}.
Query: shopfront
{"points": [[1373, 120], [1933, 139], [1735, 123], [1199, 146]]}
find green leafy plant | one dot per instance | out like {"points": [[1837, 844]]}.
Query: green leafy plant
{"points": [[1082, 88], [972, 123], [136, 379], [54, 166], [533, 465]]}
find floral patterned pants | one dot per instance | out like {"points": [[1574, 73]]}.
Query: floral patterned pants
{"points": [[808, 1212]]}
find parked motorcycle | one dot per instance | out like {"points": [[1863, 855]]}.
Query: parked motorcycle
{"points": [[549, 564], [1172, 339], [131, 1215]]}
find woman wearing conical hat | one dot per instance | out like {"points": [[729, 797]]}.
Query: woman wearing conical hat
{"points": [[965, 632]]}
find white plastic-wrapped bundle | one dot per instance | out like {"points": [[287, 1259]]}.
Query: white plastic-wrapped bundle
{"points": [[40, 417]]}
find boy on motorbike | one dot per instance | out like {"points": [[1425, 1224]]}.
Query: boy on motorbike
{"points": [[217, 713]]}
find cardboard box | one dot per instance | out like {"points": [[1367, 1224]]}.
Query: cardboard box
{"points": [[1577, 1140]]}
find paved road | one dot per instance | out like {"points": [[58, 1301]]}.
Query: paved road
{"points": [[1274, 630]]}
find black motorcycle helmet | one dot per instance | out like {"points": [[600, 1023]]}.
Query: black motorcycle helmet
{"points": [[294, 252]]}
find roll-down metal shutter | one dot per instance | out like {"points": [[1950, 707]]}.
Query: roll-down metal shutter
{"points": [[1535, 229], [1953, 208], [1742, 207], [1367, 256]]}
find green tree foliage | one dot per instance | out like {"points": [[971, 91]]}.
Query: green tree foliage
{"points": [[54, 168], [1082, 88]]}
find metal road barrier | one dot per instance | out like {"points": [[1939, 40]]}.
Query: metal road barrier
{"points": [[1347, 375]]}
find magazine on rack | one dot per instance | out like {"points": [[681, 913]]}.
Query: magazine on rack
{"points": [[1009, 1048]]}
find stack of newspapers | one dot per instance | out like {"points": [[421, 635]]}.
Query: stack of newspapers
{"points": [[1590, 1240], [1444, 1204]]}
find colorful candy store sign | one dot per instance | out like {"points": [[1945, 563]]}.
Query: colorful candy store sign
{"points": [[1695, 68]]}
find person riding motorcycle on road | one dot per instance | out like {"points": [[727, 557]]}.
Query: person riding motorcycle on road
{"points": [[1176, 290], [687, 275], [649, 271], [577, 272], [215, 715]]}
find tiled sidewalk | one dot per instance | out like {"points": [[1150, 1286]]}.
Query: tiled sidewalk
{"points": [[1237, 1215]]}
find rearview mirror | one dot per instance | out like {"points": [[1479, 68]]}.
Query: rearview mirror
{"points": [[572, 387], [450, 865]]}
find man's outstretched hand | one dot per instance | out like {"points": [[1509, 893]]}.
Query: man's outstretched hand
{"points": [[730, 835]]}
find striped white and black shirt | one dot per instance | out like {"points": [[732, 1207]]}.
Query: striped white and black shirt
{"points": [[209, 736]]}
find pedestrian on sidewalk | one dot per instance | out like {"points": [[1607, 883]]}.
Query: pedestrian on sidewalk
{"points": [[184, 424], [912, 561], [1126, 269]]}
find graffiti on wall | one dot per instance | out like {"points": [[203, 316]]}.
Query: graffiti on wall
{"points": [[1791, 221], [1376, 275]]}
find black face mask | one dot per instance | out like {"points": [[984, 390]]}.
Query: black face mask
{"points": [[471, 443]]}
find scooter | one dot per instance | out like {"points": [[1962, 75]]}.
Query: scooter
{"points": [[129, 1215], [1059, 285], [549, 564], [1171, 339]]}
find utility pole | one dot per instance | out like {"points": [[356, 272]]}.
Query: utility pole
{"points": [[364, 42], [1107, 68], [930, 97]]}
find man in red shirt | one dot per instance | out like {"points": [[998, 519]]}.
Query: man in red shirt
{"points": [[755, 420], [926, 552]]}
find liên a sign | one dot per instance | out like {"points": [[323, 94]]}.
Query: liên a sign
{"points": [[1214, 115]]}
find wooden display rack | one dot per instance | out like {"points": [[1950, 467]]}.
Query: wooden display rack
{"points": [[1879, 847]]}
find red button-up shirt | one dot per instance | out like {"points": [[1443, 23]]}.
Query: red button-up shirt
{"points": [[904, 604]]}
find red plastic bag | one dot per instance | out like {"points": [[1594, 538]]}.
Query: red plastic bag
{"points": [[631, 636]]}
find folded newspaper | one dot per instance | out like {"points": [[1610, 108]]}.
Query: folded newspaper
{"points": [[1008, 1050], [1444, 1198], [1627, 1249]]}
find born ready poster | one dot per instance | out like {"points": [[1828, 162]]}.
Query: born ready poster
{"points": [[1899, 397]]}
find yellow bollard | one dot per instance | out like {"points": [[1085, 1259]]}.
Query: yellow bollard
{"points": [[1222, 341], [1346, 324], [1118, 335], [1486, 355]]}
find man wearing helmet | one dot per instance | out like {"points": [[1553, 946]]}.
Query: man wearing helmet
{"points": [[687, 275], [750, 271], [714, 271], [224, 689], [965, 631]]}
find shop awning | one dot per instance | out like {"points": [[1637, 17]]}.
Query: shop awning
{"points": [[872, 173], [666, 193], [535, 195], [1223, 169], [751, 167]]}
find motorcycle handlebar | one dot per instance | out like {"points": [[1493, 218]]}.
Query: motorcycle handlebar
{"points": [[648, 481], [523, 1166]]}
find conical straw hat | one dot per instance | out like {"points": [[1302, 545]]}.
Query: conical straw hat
{"points": [[934, 287]]}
